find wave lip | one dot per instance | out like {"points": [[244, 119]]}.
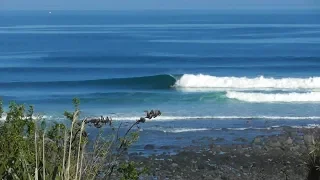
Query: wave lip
{"points": [[277, 97], [207, 81]]}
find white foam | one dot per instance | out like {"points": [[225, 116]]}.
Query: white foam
{"points": [[308, 126], [36, 117], [301, 40], [181, 130], [257, 83], [171, 118], [238, 129], [277, 97]]}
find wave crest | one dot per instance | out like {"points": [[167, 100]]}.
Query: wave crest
{"points": [[278, 97], [207, 81]]}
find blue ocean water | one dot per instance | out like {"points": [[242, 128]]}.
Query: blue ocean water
{"points": [[204, 70]]}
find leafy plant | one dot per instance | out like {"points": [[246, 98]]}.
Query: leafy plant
{"points": [[313, 163], [31, 149], [130, 171], [1, 108]]}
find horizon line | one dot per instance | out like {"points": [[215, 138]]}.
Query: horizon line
{"points": [[175, 9]]}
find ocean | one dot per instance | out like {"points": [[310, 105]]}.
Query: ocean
{"points": [[210, 73]]}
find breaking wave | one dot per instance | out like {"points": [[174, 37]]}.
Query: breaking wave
{"points": [[207, 81], [182, 130], [277, 97]]}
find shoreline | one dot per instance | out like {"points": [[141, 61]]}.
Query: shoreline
{"points": [[266, 157]]}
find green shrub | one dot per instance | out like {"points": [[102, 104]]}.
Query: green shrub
{"points": [[313, 164], [31, 149]]}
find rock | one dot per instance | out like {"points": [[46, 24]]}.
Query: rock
{"points": [[174, 165], [256, 147], [201, 166], [308, 139], [239, 149], [282, 139], [295, 148], [134, 154], [165, 147], [205, 177], [149, 147], [219, 139], [257, 140], [299, 142], [241, 139], [289, 141], [292, 132], [274, 144]]}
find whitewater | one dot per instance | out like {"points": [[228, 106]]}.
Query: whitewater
{"points": [[270, 90], [257, 83]]}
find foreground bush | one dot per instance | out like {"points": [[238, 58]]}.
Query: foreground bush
{"points": [[313, 163], [32, 149]]}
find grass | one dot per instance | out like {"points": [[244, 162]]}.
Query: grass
{"points": [[31, 149], [313, 163]]}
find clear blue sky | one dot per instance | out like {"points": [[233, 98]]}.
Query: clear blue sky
{"points": [[155, 4]]}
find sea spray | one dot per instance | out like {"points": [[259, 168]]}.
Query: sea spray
{"points": [[207, 81]]}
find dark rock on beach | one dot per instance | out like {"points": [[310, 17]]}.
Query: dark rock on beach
{"points": [[219, 139], [149, 147], [280, 156], [241, 139]]}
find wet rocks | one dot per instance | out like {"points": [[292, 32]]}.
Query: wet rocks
{"points": [[308, 139], [166, 147], [219, 139], [274, 144], [174, 165], [267, 157], [257, 140], [149, 147], [241, 139], [289, 141]]}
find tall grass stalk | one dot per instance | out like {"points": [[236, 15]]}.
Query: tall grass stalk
{"points": [[32, 148], [43, 158], [65, 140], [74, 119], [79, 149], [81, 161], [36, 150]]}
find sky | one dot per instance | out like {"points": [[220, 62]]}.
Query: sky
{"points": [[155, 4]]}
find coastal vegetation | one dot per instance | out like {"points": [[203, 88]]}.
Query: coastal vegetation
{"points": [[32, 148]]}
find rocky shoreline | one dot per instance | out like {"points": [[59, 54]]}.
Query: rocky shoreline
{"points": [[281, 156]]}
